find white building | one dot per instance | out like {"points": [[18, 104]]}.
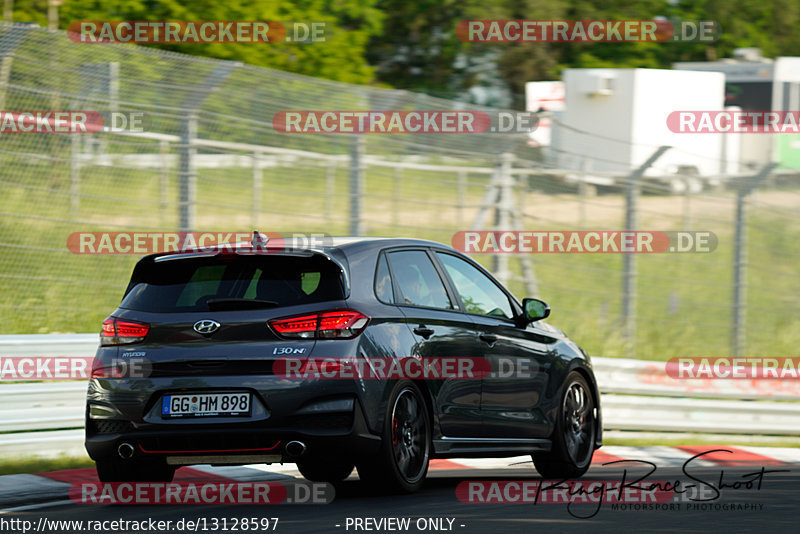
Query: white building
{"points": [[755, 83], [616, 118]]}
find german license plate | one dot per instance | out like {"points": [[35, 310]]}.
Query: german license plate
{"points": [[205, 405]]}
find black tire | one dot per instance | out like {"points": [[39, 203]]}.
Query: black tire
{"points": [[117, 470], [402, 462], [574, 434], [329, 470]]}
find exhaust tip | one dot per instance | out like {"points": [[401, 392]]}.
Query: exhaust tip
{"points": [[126, 451], [295, 449]]}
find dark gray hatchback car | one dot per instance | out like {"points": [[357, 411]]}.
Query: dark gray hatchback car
{"points": [[237, 356]]}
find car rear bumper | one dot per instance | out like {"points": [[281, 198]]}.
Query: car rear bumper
{"points": [[228, 443]]}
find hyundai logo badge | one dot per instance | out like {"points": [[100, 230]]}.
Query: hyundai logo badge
{"points": [[206, 327]]}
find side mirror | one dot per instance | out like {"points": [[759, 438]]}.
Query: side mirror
{"points": [[534, 310]]}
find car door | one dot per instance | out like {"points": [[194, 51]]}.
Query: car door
{"points": [[518, 356], [441, 331]]}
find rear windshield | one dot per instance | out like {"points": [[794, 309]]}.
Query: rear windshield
{"points": [[232, 283]]}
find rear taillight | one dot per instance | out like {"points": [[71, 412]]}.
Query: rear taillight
{"points": [[121, 332], [336, 324]]}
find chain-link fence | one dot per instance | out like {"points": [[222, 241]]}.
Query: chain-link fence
{"points": [[209, 159]]}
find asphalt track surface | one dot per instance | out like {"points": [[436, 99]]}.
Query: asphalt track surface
{"points": [[772, 508]]}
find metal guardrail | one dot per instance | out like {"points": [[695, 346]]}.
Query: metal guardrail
{"points": [[72, 345], [47, 418], [42, 406], [623, 376]]}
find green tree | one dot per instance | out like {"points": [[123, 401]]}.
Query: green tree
{"points": [[419, 50], [341, 57], [413, 44]]}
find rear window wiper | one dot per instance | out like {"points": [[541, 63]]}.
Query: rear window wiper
{"points": [[239, 304]]}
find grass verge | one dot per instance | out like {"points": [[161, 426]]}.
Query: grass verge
{"points": [[33, 465]]}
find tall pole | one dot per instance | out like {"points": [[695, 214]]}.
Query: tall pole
{"points": [[396, 181], [74, 177], [528, 273], [163, 181], [739, 311], [258, 191], [187, 149], [633, 187], [356, 185], [738, 339], [187, 177], [330, 191], [503, 212], [52, 14], [5, 75]]}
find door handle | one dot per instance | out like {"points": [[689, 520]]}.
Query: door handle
{"points": [[423, 331], [488, 338]]}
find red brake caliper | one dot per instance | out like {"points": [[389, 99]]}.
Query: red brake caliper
{"points": [[394, 431]]}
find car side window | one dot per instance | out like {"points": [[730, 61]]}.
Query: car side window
{"points": [[418, 281], [383, 281], [477, 291]]}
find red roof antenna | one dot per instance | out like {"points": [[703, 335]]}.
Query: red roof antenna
{"points": [[259, 239]]}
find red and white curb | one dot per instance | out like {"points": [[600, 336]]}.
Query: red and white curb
{"points": [[54, 486]]}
